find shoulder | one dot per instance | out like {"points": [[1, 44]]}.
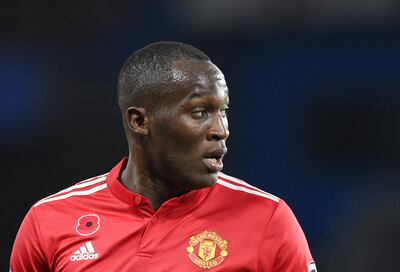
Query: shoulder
{"points": [[50, 221], [57, 214], [244, 192], [244, 189], [77, 192]]}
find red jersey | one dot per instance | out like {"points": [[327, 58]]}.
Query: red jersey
{"points": [[99, 225]]}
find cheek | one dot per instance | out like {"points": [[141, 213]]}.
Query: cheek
{"points": [[181, 136], [178, 151], [179, 148]]}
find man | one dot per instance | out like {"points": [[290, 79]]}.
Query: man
{"points": [[167, 207]]}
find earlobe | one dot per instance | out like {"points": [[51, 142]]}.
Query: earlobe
{"points": [[137, 120]]}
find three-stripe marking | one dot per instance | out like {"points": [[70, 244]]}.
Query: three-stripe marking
{"points": [[87, 248], [60, 195], [243, 187]]}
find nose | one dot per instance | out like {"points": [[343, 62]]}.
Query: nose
{"points": [[218, 128]]}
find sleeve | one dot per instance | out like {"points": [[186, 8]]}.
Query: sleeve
{"points": [[284, 246], [28, 251]]}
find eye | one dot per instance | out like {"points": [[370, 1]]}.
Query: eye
{"points": [[199, 113]]}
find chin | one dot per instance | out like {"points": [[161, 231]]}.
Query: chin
{"points": [[205, 180]]}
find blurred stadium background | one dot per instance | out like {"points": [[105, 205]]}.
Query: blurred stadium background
{"points": [[315, 106]]}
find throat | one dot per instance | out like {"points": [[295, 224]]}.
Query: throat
{"points": [[156, 191]]}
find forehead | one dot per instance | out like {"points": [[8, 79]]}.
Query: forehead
{"points": [[195, 70], [199, 78]]}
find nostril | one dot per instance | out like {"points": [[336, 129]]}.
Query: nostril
{"points": [[216, 137]]}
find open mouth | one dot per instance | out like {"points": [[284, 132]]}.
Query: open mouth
{"points": [[214, 164], [213, 160]]}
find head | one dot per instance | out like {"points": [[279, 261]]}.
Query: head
{"points": [[174, 101]]}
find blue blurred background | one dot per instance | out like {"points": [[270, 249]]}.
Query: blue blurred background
{"points": [[315, 106]]}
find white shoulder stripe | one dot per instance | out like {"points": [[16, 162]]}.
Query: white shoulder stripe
{"points": [[247, 190], [76, 193], [92, 178], [82, 184], [236, 180]]}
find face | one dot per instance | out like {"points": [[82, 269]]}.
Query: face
{"points": [[187, 138]]}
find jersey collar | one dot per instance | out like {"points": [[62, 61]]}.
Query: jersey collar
{"points": [[118, 190]]}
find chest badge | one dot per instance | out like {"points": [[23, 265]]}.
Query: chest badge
{"points": [[207, 249], [88, 224]]}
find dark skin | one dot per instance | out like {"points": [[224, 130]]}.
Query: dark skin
{"points": [[178, 146]]}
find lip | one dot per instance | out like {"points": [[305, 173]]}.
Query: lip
{"points": [[213, 159]]}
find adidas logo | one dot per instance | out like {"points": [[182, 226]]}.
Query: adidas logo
{"points": [[84, 253]]}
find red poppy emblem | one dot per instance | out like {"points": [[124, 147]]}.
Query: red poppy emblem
{"points": [[88, 224]]}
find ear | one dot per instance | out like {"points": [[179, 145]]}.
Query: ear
{"points": [[137, 120]]}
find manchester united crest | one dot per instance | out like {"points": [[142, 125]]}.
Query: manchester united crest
{"points": [[207, 249]]}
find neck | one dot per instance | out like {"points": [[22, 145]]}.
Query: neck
{"points": [[138, 180]]}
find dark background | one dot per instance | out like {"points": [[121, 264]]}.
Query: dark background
{"points": [[314, 117]]}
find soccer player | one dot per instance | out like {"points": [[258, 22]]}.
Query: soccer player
{"points": [[168, 206]]}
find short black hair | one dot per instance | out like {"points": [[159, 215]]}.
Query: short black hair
{"points": [[149, 70]]}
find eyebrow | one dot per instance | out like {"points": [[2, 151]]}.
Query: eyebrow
{"points": [[200, 90]]}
